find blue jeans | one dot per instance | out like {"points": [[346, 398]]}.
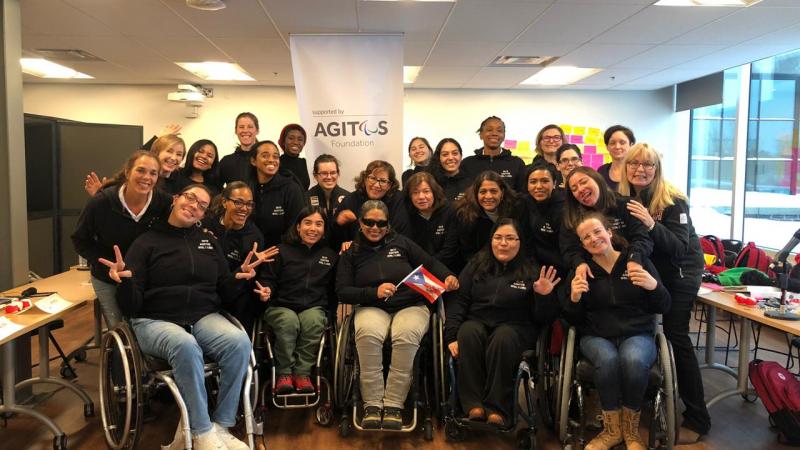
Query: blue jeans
{"points": [[622, 368], [107, 296], [214, 336]]}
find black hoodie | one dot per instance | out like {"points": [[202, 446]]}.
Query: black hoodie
{"points": [[235, 244], [510, 168], [316, 197], [174, 183], [614, 307], [104, 222], [454, 186], [365, 266], [437, 235], [398, 216], [301, 277], [235, 167], [298, 168], [543, 223], [179, 275], [278, 202]]}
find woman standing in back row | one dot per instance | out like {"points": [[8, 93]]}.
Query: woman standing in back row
{"points": [[236, 166]]}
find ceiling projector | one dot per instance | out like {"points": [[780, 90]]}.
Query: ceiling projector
{"points": [[187, 93]]}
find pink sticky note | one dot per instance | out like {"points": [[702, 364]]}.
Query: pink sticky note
{"points": [[576, 139], [590, 149], [509, 144]]}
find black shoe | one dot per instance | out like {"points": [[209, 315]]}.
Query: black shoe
{"points": [[392, 419], [372, 418]]}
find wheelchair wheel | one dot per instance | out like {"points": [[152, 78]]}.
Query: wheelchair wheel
{"points": [[664, 429], [324, 415], [120, 387], [567, 367], [344, 365], [526, 439], [548, 369]]}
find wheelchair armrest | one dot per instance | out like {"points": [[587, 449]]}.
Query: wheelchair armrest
{"points": [[232, 320]]}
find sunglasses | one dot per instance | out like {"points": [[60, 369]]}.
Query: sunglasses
{"points": [[369, 223]]}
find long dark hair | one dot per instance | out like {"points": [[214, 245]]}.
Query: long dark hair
{"points": [[188, 169], [486, 265], [435, 166], [468, 208], [292, 236], [574, 210]]}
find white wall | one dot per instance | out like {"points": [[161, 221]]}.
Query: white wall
{"points": [[433, 113]]}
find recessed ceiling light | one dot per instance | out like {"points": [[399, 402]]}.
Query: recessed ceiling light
{"points": [[560, 75], [42, 68], [217, 71], [734, 3], [522, 61], [409, 1], [410, 74]]}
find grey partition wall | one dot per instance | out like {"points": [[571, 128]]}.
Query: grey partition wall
{"points": [[58, 155]]}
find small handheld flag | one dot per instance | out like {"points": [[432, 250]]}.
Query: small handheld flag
{"points": [[425, 283]]}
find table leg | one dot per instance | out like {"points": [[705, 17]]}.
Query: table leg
{"points": [[742, 372], [711, 345], [79, 354]]}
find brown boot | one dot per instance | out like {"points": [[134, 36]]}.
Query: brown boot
{"points": [[630, 429], [611, 434]]}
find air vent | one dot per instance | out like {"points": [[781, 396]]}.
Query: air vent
{"points": [[522, 61], [66, 54]]}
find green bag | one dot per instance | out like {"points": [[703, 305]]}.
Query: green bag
{"points": [[740, 276]]}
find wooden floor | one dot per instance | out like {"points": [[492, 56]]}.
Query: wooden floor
{"points": [[736, 424]]}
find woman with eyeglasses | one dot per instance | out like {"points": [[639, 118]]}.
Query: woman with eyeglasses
{"points": [[292, 140], [501, 301], [614, 311], [236, 166], [300, 283], [419, 150], [201, 165], [237, 236], [117, 215], [492, 156], [486, 201], [172, 283], [278, 198], [377, 182], [618, 140], [548, 140], [544, 212], [677, 255], [368, 276], [568, 157], [446, 169], [432, 222], [588, 192]]}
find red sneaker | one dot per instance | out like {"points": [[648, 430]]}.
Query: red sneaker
{"points": [[303, 384], [284, 385]]}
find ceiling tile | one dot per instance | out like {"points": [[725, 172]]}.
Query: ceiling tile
{"points": [[254, 49], [490, 21], [501, 76], [449, 76], [539, 49], [741, 54], [415, 52], [146, 18], [238, 19], [276, 74], [787, 35], [313, 16], [601, 55], [577, 22], [420, 21], [614, 76], [184, 49], [742, 25], [464, 54], [663, 56], [55, 17]]}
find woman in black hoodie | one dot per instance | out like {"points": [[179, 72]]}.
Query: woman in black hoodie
{"points": [[292, 140], [172, 283], [544, 211], [369, 276], [446, 169], [432, 221], [300, 282], [492, 156], [615, 312], [118, 214], [494, 318], [236, 166], [677, 255], [201, 165], [278, 198]]}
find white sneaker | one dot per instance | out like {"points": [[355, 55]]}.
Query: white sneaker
{"points": [[209, 440], [230, 440]]}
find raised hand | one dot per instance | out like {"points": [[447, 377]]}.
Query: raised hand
{"points": [[345, 216], [248, 267], [170, 128], [268, 254], [93, 183], [263, 292], [116, 269], [579, 287], [640, 212], [548, 279]]}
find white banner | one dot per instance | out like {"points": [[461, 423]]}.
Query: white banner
{"points": [[350, 97]]}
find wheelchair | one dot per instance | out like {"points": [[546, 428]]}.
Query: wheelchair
{"points": [[129, 379], [535, 384], [660, 398], [426, 392], [262, 347]]}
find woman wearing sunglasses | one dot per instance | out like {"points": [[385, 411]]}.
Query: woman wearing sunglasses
{"points": [[368, 276]]}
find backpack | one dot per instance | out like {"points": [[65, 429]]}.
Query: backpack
{"points": [[779, 391], [712, 245], [752, 256]]}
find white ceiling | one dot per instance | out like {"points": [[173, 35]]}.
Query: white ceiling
{"points": [[638, 45]]}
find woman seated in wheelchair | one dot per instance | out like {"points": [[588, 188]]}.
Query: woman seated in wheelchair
{"points": [[172, 284], [299, 282], [492, 320], [614, 310], [367, 276]]}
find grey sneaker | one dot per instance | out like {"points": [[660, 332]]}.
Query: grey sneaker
{"points": [[392, 418], [372, 418]]}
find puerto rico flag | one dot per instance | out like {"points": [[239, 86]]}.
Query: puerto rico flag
{"points": [[425, 283]]}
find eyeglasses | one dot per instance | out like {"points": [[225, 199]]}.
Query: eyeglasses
{"points": [[379, 181], [369, 223], [644, 165], [192, 198], [506, 239], [239, 204], [573, 160], [552, 138], [328, 174]]}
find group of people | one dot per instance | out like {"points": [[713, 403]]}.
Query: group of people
{"points": [[515, 245]]}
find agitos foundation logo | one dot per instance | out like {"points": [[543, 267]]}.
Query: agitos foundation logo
{"points": [[351, 128]]}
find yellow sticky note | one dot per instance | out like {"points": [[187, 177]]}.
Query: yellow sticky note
{"points": [[567, 129], [578, 130], [590, 140], [594, 132]]}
